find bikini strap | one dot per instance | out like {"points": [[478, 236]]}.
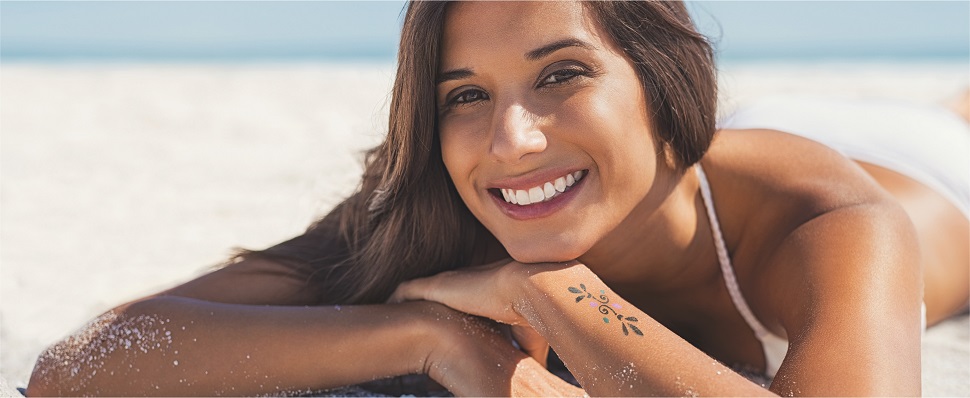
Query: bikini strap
{"points": [[727, 270]]}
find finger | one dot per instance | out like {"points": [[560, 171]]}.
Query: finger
{"points": [[531, 342], [541, 356], [412, 290], [538, 352]]}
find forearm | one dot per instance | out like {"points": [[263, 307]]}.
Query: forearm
{"points": [[177, 346], [612, 347]]}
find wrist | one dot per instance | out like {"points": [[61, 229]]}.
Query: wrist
{"points": [[420, 336], [431, 336], [539, 282], [519, 285]]}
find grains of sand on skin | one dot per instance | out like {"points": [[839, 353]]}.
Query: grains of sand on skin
{"points": [[627, 375], [688, 390], [80, 356]]}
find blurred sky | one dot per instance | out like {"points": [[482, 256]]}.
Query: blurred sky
{"points": [[300, 30]]}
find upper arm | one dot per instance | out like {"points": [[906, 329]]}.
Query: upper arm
{"points": [[836, 264], [853, 304]]}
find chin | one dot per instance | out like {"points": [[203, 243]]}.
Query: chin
{"points": [[547, 253]]}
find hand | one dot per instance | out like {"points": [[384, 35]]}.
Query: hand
{"points": [[486, 290], [491, 290], [471, 356]]}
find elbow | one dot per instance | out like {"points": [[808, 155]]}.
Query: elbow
{"points": [[45, 380], [42, 386], [70, 366]]}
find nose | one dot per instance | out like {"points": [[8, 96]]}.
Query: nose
{"points": [[516, 134]]}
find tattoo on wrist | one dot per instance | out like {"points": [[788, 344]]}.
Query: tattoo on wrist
{"points": [[605, 308]]}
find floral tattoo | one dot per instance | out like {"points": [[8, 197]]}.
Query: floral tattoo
{"points": [[605, 308]]}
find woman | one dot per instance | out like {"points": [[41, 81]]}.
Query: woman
{"points": [[566, 182]]}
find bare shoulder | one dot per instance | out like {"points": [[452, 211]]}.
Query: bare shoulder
{"points": [[767, 183], [798, 212], [777, 163]]}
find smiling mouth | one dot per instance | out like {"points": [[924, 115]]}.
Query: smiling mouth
{"points": [[541, 193]]}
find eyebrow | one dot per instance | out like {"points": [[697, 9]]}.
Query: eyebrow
{"points": [[556, 46], [534, 55], [455, 74]]}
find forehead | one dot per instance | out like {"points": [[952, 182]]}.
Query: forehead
{"points": [[474, 29]]}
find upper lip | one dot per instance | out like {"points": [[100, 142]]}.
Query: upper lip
{"points": [[532, 179]]}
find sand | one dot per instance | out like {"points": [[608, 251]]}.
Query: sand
{"points": [[120, 180]]}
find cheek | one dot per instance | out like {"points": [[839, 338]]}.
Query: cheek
{"points": [[613, 126], [460, 138], [614, 130], [452, 155], [459, 158]]}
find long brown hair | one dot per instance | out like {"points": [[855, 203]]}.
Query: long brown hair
{"points": [[407, 220]]}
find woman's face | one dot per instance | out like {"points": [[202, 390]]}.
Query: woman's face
{"points": [[543, 126]]}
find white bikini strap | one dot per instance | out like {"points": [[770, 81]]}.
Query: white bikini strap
{"points": [[722, 257]]}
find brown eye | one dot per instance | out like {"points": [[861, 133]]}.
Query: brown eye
{"points": [[469, 96], [561, 76]]}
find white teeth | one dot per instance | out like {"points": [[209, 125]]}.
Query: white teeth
{"points": [[536, 195], [542, 192]]}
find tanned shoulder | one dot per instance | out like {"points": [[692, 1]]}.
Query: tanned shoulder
{"points": [[768, 184]]}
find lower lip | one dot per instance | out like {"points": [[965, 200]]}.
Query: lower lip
{"points": [[541, 209]]}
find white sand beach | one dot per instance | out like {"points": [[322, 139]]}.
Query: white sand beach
{"points": [[117, 180]]}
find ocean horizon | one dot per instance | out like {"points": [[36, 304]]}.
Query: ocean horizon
{"points": [[368, 32], [380, 55]]}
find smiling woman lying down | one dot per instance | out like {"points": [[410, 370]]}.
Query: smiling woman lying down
{"points": [[553, 177]]}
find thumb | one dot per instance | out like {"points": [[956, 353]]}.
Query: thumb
{"points": [[408, 291], [531, 342]]}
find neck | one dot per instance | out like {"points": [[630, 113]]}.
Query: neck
{"points": [[663, 246]]}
